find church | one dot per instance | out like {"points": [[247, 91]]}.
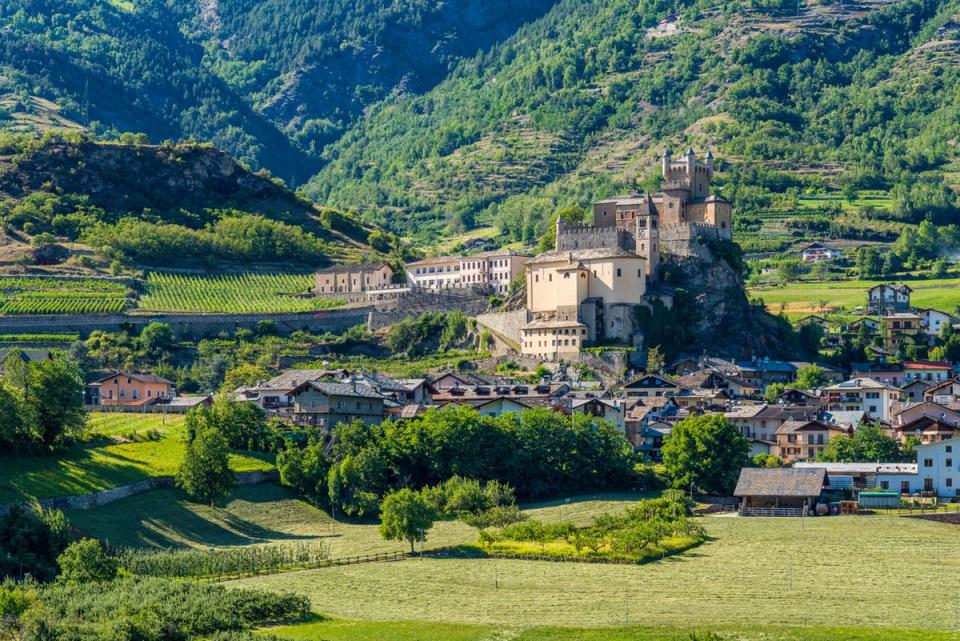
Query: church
{"points": [[586, 288]]}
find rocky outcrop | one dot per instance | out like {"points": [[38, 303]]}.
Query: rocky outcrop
{"points": [[723, 321]]}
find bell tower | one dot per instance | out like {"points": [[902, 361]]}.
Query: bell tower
{"points": [[647, 235]]}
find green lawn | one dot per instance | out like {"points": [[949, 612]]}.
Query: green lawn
{"points": [[876, 571], [107, 461], [349, 630], [805, 298], [269, 513]]}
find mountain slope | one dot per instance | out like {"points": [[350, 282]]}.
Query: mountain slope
{"points": [[581, 102], [270, 82]]}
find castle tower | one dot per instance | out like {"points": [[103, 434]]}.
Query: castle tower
{"points": [[647, 237], [665, 164]]}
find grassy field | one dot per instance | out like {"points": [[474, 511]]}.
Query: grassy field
{"points": [[269, 513], [806, 298], [351, 630], [110, 459], [234, 293], [842, 571]]}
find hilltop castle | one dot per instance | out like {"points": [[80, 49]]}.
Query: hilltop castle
{"points": [[586, 288]]}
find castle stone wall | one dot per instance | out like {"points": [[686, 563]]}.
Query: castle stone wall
{"points": [[573, 236]]}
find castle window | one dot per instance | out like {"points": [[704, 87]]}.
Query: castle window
{"points": [[550, 277], [566, 275], [583, 275], [619, 273], [639, 273]]}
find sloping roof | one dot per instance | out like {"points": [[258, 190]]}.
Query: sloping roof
{"points": [[552, 324], [143, 378], [359, 390], [858, 383], [564, 255], [926, 365], [356, 267], [295, 377], [785, 481]]}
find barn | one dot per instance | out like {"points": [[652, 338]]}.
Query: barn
{"points": [[779, 491]]}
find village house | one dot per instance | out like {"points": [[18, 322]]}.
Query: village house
{"points": [[274, 396], [944, 393], [929, 428], [352, 279], [880, 371], [799, 397], [650, 385], [762, 421], [712, 381], [804, 440], [325, 404], [901, 329], [936, 474], [819, 252], [132, 389], [862, 395], [888, 299], [933, 321], [933, 372], [915, 390]]}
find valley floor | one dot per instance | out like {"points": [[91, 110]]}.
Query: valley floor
{"points": [[754, 573]]}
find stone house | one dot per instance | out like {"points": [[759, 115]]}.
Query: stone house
{"points": [[352, 279], [327, 403]]}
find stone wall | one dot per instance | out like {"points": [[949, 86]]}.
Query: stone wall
{"points": [[470, 302], [573, 236], [506, 324], [187, 326], [104, 497]]}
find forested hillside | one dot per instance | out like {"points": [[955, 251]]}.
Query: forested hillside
{"points": [[163, 205], [269, 82], [580, 103]]}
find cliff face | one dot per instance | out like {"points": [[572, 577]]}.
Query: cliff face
{"points": [[721, 319]]}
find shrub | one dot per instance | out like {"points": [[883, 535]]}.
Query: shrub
{"points": [[85, 562]]}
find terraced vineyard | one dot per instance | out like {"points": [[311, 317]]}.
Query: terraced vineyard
{"points": [[26, 296], [233, 293]]}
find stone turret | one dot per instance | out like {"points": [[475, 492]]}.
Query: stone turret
{"points": [[665, 163]]}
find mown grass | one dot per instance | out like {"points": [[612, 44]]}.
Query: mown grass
{"points": [[108, 461], [350, 630], [799, 298], [269, 513], [839, 571]]}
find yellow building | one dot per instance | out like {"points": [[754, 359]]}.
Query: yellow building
{"points": [[592, 291], [901, 328]]}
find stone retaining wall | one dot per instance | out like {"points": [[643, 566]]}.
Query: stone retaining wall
{"points": [[104, 497], [187, 325]]}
